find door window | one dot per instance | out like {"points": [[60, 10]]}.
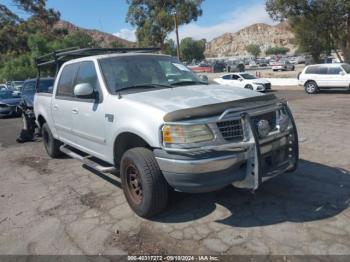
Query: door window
{"points": [[334, 70], [87, 74], [65, 84], [235, 77], [227, 77]]}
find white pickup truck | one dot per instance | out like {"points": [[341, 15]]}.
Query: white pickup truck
{"points": [[155, 121]]}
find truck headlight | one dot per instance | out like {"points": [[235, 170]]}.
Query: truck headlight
{"points": [[186, 134]]}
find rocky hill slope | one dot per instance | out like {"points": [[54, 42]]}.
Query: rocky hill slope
{"points": [[104, 38], [234, 44]]}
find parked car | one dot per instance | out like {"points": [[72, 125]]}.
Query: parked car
{"points": [[283, 65], [9, 103], [316, 77], [244, 80], [16, 87], [235, 66], [219, 67], [120, 111], [201, 68], [3, 87], [29, 90]]}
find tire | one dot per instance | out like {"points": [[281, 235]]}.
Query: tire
{"points": [[51, 144], [311, 87], [249, 87], [144, 185]]}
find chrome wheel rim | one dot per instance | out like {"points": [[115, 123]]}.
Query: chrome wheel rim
{"points": [[311, 87]]}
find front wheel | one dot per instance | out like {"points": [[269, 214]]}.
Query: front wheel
{"points": [[144, 185], [249, 87], [311, 87], [51, 144]]}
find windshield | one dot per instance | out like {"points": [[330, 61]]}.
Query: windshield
{"points": [[346, 68], [248, 76], [146, 71], [5, 94]]}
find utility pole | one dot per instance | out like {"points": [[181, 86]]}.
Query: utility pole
{"points": [[177, 35]]}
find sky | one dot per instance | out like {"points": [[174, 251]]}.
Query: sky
{"points": [[219, 16]]}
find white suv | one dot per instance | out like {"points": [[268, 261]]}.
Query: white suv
{"points": [[315, 77]]}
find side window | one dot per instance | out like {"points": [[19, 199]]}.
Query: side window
{"points": [[227, 77], [322, 70], [334, 70], [311, 70], [65, 84], [87, 74], [29, 87], [235, 77]]}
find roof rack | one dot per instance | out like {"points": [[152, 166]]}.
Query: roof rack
{"points": [[60, 56]]}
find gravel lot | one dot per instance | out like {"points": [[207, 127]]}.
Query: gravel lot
{"points": [[58, 207]]}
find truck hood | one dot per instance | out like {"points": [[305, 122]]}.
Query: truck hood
{"points": [[184, 97]]}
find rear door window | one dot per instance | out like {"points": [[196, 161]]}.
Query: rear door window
{"points": [[65, 84], [322, 70]]}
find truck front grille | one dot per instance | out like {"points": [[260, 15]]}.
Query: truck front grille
{"points": [[231, 130]]}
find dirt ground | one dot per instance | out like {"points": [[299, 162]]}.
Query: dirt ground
{"points": [[59, 207]]}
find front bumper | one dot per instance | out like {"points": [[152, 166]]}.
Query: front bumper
{"points": [[245, 164]]}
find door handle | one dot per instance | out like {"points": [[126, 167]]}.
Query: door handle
{"points": [[75, 111]]}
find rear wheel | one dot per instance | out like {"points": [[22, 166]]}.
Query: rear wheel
{"points": [[144, 185], [51, 144], [311, 87]]}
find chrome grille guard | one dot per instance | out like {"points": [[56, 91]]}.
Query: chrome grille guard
{"points": [[252, 144]]}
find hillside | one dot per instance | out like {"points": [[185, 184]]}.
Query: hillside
{"points": [[233, 44], [104, 38]]}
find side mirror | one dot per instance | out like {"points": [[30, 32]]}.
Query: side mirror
{"points": [[240, 79], [84, 90], [342, 73], [204, 78]]}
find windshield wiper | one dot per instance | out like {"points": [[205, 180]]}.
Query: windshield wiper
{"points": [[187, 82], [143, 86]]}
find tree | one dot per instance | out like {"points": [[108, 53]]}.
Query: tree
{"points": [[277, 50], [169, 47], [253, 49], [319, 25], [154, 19], [192, 49]]}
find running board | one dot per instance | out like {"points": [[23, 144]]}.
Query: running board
{"points": [[86, 161]]}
